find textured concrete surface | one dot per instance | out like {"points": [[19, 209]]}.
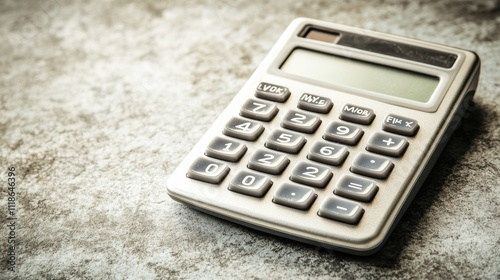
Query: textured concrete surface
{"points": [[100, 101]]}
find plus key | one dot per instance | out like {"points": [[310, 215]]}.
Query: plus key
{"points": [[387, 144]]}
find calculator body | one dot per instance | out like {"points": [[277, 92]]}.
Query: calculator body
{"points": [[331, 137]]}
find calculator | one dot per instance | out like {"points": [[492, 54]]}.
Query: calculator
{"points": [[332, 136]]}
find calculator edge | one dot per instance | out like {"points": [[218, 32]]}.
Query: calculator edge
{"points": [[366, 250]]}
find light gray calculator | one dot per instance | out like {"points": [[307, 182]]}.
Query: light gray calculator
{"points": [[332, 136]]}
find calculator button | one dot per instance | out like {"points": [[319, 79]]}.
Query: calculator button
{"points": [[272, 92], [356, 188], [259, 110], [328, 153], [285, 141], [343, 133], [342, 210], [243, 129], [310, 174], [250, 184], [314, 103], [295, 196], [400, 125], [207, 170], [387, 144], [269, 162], [371, 165], [299, 121], [357, 114], [226, 149]]}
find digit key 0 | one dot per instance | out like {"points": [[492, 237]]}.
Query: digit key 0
{"points": [[207, 170], [250, 183]]}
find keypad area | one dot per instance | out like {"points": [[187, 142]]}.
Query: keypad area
{"points": [[288, 153]]}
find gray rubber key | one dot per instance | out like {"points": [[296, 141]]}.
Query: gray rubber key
{"points": [[343, 133], [272, 92], [342, 210], [387, 144], [250, 183], [295, 196], [268, 162], [329, 153], [315, 103], [353, 113], [311, 174], [207, 170], [356, 188], [259, 110], [300, 121], [372, 165], [285, 141], [243, 129], [226, 149], [400, 125]]}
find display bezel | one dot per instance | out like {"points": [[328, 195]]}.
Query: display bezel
{"points": [[444, 75], [357, 70]]}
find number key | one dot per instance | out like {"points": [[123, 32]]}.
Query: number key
{"points": [[250, 184], [269, 162], [259, 110], [300, 121], [207, 170], [285, 141], [225, 149], [311, 174], [243, 129], [328, 153], [343, 133]]}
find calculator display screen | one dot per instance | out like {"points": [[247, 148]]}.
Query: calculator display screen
{"points": [[360, 74]]}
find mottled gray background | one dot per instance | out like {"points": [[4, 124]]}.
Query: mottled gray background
{"points": [[100, 101]]}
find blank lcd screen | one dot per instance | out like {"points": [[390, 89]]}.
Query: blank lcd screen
{"points": [[360, 74]]}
